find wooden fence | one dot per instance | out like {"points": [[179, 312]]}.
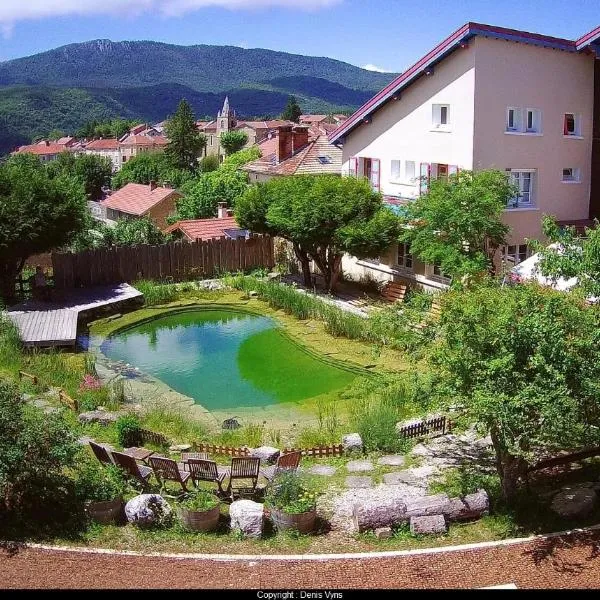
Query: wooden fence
{"points": [[221, 450], [176, 261], [319, 451], [422, 428]]}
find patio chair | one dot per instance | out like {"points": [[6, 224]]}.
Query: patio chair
{"points": [[207, 470], [286, 462], [166, 469], [243, 469], [132, 468], [102, 453]]}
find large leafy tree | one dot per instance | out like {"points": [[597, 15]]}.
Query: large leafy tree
{"points": [[523, 360], [571, 254], [150, 166], [457, 223], [133, 232], [323, 216], [292, 110], [92, 171], [37, 213], [233, 141], [185, 141]]}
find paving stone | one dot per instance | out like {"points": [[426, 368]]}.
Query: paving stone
{"points": [[392, 460], [323, 470], [383, 533], [417, 476], [356, 466], [358, 482]]}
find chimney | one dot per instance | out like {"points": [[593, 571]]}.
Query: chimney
{"points": [[222, 211], [285, 146], [300, 138], [152, 185]]}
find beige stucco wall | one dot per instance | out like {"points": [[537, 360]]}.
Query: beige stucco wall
{"points": [[113, 155], [555, 82]]}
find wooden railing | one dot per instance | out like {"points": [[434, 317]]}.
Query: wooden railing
{"points": [[319, 451], [423, 428], [221, 450]]}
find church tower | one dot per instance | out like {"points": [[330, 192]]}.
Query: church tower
{"points": [[226, 120]]}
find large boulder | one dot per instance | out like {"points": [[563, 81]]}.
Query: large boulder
{"points": [[428, 525], [146, 510], [575, 503], [247, 517], [378, 512], [428, 505], [352, 443], [267, 454], [103, 417], [478, 505]]}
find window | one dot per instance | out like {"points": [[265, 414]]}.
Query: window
{"points": [[524, 180], [211, 140], [409, 171], [371, 172], [438, 275], [441, 116], [405, 259], [124, 158], [396, 164], [570, 174], [522, 121], [325, 160], [515, 254], [572, 125], [534, 121], [513, 119]]}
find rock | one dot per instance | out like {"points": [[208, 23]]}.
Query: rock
{"points": [[428, 505], [180, 447], [377, 512], [392, 460], [356, 466], [416, 476], [322, 470], [253, 294], [98, 416], [428, 525], [352, 442], [357, 482], [478, 505], [148, 509], [574, 503], [231, 424], [266, 453], [383, 533], [247, 517]]}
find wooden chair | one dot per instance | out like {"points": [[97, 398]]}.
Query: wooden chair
{"points": [[207, 470], [286, 462], [101, 453], [132, 468], [244, 469], [166, 469]]}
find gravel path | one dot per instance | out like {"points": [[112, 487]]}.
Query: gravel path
{"points": [[571, 561]]}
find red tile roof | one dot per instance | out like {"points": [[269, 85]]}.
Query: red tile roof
{"points": [[312, 118], [106, 144], [204, 229], [145, 140], [42, 148], [137, 198]]}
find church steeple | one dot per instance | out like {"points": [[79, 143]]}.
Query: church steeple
{"points": [[226, 120], [225, 110]]}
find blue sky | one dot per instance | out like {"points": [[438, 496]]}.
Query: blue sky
{"points": [[390, 34]]}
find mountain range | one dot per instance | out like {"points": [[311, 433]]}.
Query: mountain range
{"points": [[67, 86]]}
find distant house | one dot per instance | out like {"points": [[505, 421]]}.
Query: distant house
{"points": [[137, 200], [134, 144], [109, 148], [224, 226], [322, 119], [295, 150], [44, 150]]}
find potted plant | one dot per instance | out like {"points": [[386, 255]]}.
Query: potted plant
{"points": [[291, 504], [200, 511], [101, 489]]}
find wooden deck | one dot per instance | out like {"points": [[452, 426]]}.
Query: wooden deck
{"points": [[55, 323]]}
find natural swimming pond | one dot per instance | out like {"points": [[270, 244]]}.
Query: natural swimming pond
{"points": [[225, 359]]}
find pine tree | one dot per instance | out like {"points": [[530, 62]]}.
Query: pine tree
{"points": [[292, 111], [185, 141]]}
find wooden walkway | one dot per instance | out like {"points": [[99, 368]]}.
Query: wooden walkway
{"points": [[55, 323]]}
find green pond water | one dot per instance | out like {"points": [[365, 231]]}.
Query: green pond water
{"points": [[225, 359]]}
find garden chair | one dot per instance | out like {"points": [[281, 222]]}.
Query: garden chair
{"points": [[132, 468], [207, 470], [286, 462], [102, 453], [243, 469], [166, 469]]}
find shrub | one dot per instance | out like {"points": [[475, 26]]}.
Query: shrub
{"points": [[289, 493], [90, 382], [375, 420], [128, 431], [96, 483], [200, 500], [157, 293]]}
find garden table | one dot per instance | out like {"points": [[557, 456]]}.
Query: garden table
{"points": [[142, 454]]}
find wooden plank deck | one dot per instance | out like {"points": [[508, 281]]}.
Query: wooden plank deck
{"points": [[55, 323]]}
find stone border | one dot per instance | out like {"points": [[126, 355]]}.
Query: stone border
{"points": [[312, 557]]}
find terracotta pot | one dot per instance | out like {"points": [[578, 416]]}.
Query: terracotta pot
{"points": [[302, 522], [105, 512], [196, 520]]}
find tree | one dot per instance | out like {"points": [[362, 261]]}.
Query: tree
{"points": [[324, 216], [56, 134], [457, 223], [209, 163], [233, 141], [150, 166], [523, 361], [133, 232], [570, 255], [292, 110], [92, 171], [37, 213], [185, 141]]}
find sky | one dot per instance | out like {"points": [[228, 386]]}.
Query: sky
{"points": [[387, 35]]}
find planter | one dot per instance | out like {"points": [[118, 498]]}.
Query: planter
{"points": [[200, 520], [107, 512], [302, 522]]}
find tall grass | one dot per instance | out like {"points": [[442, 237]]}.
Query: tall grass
{"points": [[176, 424], [157, 293]]}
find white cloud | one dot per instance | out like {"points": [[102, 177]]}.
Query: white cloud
{"points": [[371, 67], [13, 11], [6, 30]]}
